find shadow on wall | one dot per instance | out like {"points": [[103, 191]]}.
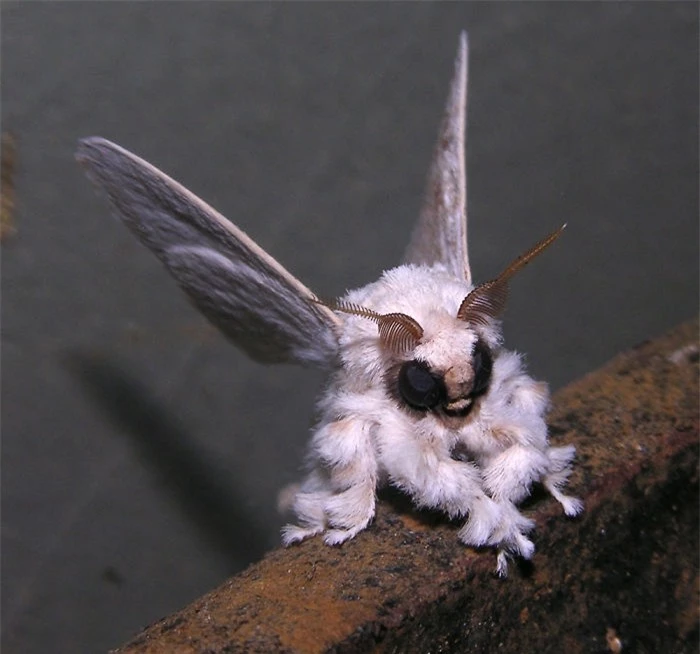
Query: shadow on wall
{"points": [[202, 490]]}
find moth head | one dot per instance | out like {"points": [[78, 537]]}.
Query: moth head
{"points": [[442, 371], [447, 366], [449, 387]]}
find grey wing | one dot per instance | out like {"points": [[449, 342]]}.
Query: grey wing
{"points": [[240, 288], [441, 233]]}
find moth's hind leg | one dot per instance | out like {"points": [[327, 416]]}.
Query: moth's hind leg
{"points": [[559, 470], [346, 513], [349, 512], [339, 496], [307, 505]]}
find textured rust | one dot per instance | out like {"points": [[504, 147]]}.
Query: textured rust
{"points": [[622, 575]]}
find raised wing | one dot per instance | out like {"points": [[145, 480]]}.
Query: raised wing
{"points": [[441, 233], [240, 288]]}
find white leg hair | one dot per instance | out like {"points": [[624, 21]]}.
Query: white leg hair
{"points": [[434, 480], [510, 537], [340, 494], [308, 507], [559, 470], [508, 477], [510, 474]]}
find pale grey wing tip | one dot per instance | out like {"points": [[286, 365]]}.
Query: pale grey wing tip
{"points": [[440, 235], [90, 145], [167, 219], [93, 153], [458, 83], [463, 44]]}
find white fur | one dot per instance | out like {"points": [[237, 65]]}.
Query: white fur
{"points": [[364, 437]]}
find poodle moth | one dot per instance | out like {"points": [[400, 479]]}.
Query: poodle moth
{"points": [[422, 395]]}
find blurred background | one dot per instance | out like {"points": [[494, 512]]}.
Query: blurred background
{"points": [[142, 453]]}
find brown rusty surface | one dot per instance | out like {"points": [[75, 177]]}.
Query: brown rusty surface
{"points": [[622, 575]]}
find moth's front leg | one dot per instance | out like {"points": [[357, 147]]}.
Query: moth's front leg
{"points": [[508, 478], [434, 479], [339, 495], [510, 475]]}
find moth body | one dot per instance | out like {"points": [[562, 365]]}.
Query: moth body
{"points": [[422, 394], [475, 462]]}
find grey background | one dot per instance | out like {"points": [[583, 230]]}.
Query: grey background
{"points": [[141, 453]]}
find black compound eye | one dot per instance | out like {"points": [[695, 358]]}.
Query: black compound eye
{"points": [[419, 387], [483, 364]]}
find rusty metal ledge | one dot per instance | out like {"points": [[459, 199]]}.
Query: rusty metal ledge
{"points": [[622, 577]]}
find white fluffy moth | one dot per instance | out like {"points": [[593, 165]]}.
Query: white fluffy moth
{"points": [[422, 395]]}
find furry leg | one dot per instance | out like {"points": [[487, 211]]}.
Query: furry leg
{"points": [[339, 496], [559, 470]]}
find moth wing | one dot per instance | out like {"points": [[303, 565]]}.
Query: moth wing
{"points": [[240, 288], [440, 235]]}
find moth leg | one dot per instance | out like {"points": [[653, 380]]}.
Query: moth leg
{"points": [[308, 507], [434, 480], [345, 449], [510, 538], [559, 470], [485, 516], [531, 397], [508, 477], [502, 563], [339, 497], [350, 511], [296, 533]]}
